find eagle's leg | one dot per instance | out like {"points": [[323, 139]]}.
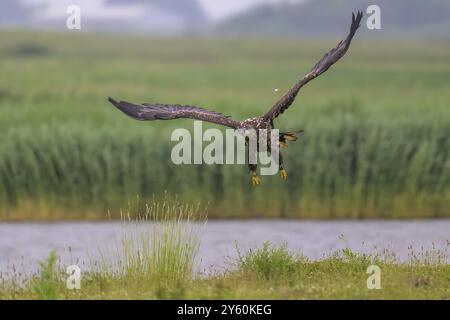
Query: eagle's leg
{"points": [[255, 178], [283, 173]]}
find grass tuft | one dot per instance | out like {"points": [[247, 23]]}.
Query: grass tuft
{"points": [[47, 284], [269, 261], [160, 245]]}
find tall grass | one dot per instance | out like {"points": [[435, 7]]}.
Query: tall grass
{"points": [[376, 142], [48, 281], [160, 245], [347, 171]]}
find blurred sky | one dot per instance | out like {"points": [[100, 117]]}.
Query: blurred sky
{"points": [[219, 9], [299, 18], [214, 9]]}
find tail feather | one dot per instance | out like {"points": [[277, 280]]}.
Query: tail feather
{"points": [[288, 136]]}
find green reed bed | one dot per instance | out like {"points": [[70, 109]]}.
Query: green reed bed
{"points": [[377, 129], [346, 171]]}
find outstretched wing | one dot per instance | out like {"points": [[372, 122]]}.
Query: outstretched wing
{"points": [[326, 62], [157, 111]]}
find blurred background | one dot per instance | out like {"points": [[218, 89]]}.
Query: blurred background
{"points": [[377, 125], [281, 18]]}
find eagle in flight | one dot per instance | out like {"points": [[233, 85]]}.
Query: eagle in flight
{"points": [[157, 111]]}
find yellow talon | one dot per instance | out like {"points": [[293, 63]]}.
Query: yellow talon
{"points": [[255, 180], [283, 174]]}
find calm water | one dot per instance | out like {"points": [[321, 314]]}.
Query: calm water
{"points": [[23, 244]]}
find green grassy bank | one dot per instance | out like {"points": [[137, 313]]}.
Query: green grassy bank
{"points": [[264, 273]]}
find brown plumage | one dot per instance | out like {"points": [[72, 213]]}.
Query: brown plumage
{"points": [[156, 111]]}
